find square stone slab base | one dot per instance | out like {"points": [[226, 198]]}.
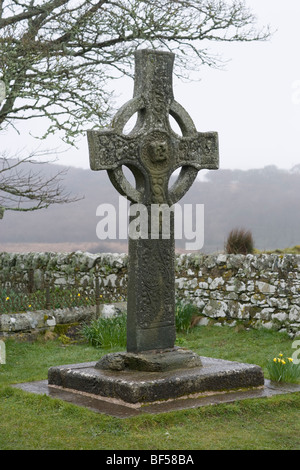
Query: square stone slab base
{"points": [[135, 387], [120, 409]]}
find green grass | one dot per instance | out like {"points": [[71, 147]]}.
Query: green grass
{"points": [[38, 422], [295, 250]]}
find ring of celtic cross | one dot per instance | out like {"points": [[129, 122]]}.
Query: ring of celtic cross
{"points": [[152, 150], [159, 145]]}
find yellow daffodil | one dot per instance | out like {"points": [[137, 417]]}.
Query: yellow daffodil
{"points": [[282, 369]]}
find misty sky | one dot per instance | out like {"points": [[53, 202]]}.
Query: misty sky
{"points": [[254, 103]]}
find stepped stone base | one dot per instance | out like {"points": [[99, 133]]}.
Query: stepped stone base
{"points": [[146, 386], [151, 361]]}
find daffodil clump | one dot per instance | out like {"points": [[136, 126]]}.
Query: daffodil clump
{"points": [[283, 369]]}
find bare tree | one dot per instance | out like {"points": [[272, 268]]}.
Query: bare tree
{"points": [[22, 189], [57, 57]]}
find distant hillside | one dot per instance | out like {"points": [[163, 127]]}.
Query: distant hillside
{"points": [[265, 201]]}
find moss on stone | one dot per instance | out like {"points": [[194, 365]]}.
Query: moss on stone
{"points": [[62, 328]]}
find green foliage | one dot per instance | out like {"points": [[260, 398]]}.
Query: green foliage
{"points": [[239, 241], [112, 332], [183, 316], [283, 369], [107, 332], [12, 301]]}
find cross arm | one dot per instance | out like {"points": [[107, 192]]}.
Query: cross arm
{"points": [[109, 150], [200, 151]]}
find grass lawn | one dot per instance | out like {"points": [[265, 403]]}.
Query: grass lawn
{"points": [[38, 422]]}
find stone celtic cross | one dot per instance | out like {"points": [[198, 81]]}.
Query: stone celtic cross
{"points": [[152, 151]]}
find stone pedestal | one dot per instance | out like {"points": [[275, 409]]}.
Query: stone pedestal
{"points": [[180, 373]]}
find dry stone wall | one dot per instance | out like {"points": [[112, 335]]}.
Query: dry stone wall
{"points": [[30, 271], [254, 290]]}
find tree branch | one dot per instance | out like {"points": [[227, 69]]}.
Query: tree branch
{"points": [[22, 189], [56, 53]]}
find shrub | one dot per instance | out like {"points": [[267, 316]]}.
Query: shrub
{"points": [[106, 332], [239, 241], [184, 314]]}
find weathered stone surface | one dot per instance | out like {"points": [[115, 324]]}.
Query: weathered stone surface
{"points": [[137, 386], [265, 288], [215, 308], [280, 316], [294, 314], [112, 310], [21, 322], [43, 320], [217, 282], [151, 295], [151, 361]]}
